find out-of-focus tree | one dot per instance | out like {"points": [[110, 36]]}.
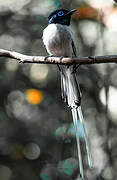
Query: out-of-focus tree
{"points": [[37, 137]]}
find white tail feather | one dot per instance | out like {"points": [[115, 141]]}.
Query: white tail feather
{"points": [[75, 121], [85, 136]]}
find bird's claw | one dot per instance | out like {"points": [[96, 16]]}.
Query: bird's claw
{"points": [[46, 57], [61, 58], [60, 61], [21, 61]]}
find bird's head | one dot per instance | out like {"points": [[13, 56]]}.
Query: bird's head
{"points": [[61, 16]]}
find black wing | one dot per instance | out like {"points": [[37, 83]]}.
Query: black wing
{"points": [[74, 49]]}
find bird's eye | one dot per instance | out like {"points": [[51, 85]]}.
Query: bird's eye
{"points": [[60, 13]]}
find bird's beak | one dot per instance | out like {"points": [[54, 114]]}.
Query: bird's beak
{"points": [[71, 12]]}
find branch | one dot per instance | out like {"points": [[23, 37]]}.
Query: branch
{"points": [[57, 60]]}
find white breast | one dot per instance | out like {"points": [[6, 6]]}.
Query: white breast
{"points": [[58, 40]]}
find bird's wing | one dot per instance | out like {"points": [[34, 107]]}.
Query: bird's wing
{"points": [[74, 49]]}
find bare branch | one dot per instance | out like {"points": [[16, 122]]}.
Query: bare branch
{"points": [[57, 60]]}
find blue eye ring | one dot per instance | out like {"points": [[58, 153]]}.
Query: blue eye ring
{"points": [[60, 13]]}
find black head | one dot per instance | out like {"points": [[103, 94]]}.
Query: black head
{"points": [[61, 16]]}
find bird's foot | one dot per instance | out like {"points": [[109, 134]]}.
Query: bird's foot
{"points": [[60, 61], [61, 58], [46, 57]]}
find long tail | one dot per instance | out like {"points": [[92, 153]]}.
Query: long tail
{"points": [[71, 94], [81, 118], [75, 120]]}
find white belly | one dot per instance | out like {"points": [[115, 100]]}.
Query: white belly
{"points": [[58, 40]]}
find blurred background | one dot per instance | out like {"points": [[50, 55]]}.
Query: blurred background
{"points": [[37, 137]]}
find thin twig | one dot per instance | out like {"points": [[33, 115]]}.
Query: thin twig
{"points": [[57, 60]]}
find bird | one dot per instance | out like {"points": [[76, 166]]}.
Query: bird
{"points": [[58, 39]]}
